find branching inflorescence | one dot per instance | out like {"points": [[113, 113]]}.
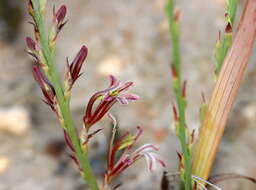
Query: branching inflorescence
{"points": [[57, 96]]}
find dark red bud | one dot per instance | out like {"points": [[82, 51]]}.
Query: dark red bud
{"points": [[228, 28], [31, 43], [61, 13], [77, 63], [46, 87]]}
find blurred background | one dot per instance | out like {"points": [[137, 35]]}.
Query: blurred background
{"points": [[129, 39]]}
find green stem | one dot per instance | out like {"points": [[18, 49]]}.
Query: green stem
{"points": [[181, 101], [68, 123], [223, 45]]}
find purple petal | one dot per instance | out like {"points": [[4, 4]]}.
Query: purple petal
{"points": [[122, 100], [131, 97]]}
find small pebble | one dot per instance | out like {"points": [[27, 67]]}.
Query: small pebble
{"points": [[14, 120], [4, 164]]}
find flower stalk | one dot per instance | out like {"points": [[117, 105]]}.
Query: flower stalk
{"points": [[36, 10], [179, 87], [223, 45]]}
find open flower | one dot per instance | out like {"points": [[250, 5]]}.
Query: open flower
{"points": [[127, 158], [116, 92]]}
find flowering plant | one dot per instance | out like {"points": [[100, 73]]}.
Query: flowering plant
{"points": [[42, 49]]}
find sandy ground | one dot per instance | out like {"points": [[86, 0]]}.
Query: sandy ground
{"points": [[127, 38]]}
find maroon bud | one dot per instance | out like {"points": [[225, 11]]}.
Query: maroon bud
{"points": [[46, 87], [59, 17], [31, 44], [228, 28], [77, 63], [61, 13]]}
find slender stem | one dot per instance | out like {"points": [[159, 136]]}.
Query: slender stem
{"points": [[68, 123], [177, 85], [223, 45]]}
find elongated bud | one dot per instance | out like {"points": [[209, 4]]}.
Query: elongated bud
{"points": [[32, 49], [31, 44], [60, 16], [46, 87], [73, 72], [58, 23]]}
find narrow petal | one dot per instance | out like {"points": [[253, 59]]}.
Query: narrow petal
{"points": [[131, 97], [113, 81], [122, 100], [146, 148]]}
